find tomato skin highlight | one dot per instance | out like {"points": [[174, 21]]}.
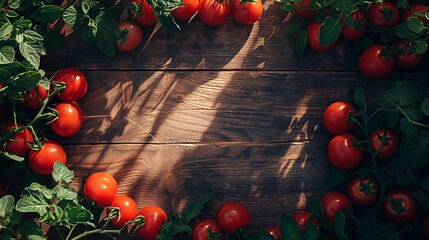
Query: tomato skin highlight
{"points": [[202, 227], [232, 216], [388, 149], [384, 15], [406, 59], [76, 84], [127, 208], [362, 198], [186, 11], [69, 121], [373, 65], [33, 98], [154, 218], [313, 38], [406, 200], [274, 231], [132, 39], [342, 154], [304, 9], [302, 217], [18, 143], [246, 13], [42, 161], [417, 8], [147, 18], [334, 202], [101, 187], [213, 12], [354, 33], [335, 117]]}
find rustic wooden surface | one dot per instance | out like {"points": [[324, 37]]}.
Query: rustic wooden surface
{"points": [[231, 110]]}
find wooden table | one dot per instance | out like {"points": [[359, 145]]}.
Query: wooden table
{"points": [[231, 110]]}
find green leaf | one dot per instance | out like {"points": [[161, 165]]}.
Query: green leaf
{"points": [[403, 93], [404, 32], [64, 193], [6, 205], [289, 227], [195, 207], [36, 188], [36, 237], [6, 31], [421, 197], [105, 34], [425, 106], [335, 178], [392, 118], [264, 235], [29, 228], [33, 204], [421, 46], [316, 208], [409, 129], [344, 6], [301, 42], [7, 55], [414, 152], [14, 4], [25, 81], [32, 51], [77, 214], [413, 112], [330, 31], [48, 13], [312, 232], [61, 173], [362, 44], [415, 25], [340, 224], [22, 25], [87, 35], [73, 16], [424, 183], [357, 96]]}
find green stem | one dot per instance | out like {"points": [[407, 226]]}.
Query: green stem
{"points": [[96, 231], [70, 232]]}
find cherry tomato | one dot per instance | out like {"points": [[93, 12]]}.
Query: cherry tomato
{"points": [[363, 191], [400, 206], [372, 63], [302, 217], [34, 98], [76, 84], [275, 231], [232, 216], [335, 118], [314, 38], [356, 32], [2, 190], [383, 15], [413, 10], [342, 153], [202, 228], [101, 187], [213, 12], [42, 161], [18, 144], [147, 17], [334, 202], [154, 218], [405, 58], [186, 11], [386, 142], [426, 225], [246, 13], [132, 36], [127, 209], [304, 9], [69, 121]]}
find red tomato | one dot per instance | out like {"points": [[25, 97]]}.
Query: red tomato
{"points": [[400, 206], [383, 15], [101, 187], [232, 216], [275, 231], [154, 218], [147, 17], [363, 191], [386, 142], [304, 9], [335, 118], [314, 38], [334, 202], [405, 58], [34, 98], [213, 12], [69, 121], [2, 190], [358, 31], [342, 153], [426, 225], [186, 11], [202, 228], [413, 10], [246, 13], [131, 38], [372, 63], [18, 144], [302, 217], [127, 209], [76, 84], [42, 161]]}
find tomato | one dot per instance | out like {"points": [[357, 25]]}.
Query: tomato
{"points": [[400, 206], [42, 161], [413, 10], [131, 36], [314, 38], [383, 15], [18, 144], [334, 202], [342, 153], [147, 17], [232, 216], [363, 191], [34, 98], [69, 121], [202, 228], [302, 217], [101, 187], [356, 32], [386, 142], [246, 13], [405, 58], [275, 231], [127, 209], [426, 225], [335, 118], [2, 190], [76, 84], [304, 9], [372, 63], [154, 218], [186, 11], [213, 12]]}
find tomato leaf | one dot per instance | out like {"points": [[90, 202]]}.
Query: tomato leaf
{"points": [[414, 152], [392, 118], [33, 204], [357, 96], [289, 227], [301, 42], [64, 193], [30, 228], [61, 173], [422, 198], [335, 178], [7, 55], [6, 206], [340, 224], [330, 31], [404, 32], [105, 33], [344, 6], [409, 129], [195, 207], [48, 13], [415, 25], [316, 208], [421, 46], [312, 232], [77, 214]]}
